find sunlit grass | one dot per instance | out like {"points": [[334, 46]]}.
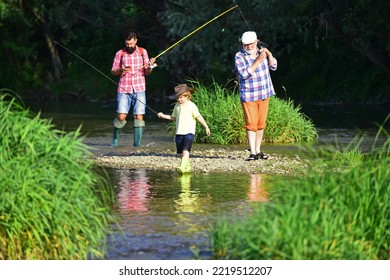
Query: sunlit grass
{"points": [[222, 111], [53, 203], [287, 124], [339, 210]]}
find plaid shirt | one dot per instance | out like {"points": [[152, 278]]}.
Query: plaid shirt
{"points": [[256, 85], [133, 81]]}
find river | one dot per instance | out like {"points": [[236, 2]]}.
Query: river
{"points": [[165, 216]]}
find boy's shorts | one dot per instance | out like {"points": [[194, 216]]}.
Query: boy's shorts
{"points": [[255, 114], [126, 100], [184, 142]]}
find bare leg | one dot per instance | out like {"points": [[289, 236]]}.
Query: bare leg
{"points": [[259, 139], [139, 117], [185, 154], [121, 117], [251, 135]]}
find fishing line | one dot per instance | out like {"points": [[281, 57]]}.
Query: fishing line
{"points": [[260, 43], [239, 9], [100, 72]]}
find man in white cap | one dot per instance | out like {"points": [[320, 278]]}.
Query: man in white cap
{"points": [[255, 86]]}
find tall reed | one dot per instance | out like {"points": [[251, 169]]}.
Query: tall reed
{"points": [[338, 213], [53, 203], [222, 110], [287, 124]]}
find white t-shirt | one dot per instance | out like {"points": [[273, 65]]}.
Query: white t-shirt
{"points": [[185, 115]]}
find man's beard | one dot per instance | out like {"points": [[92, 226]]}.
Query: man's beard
{"points": [[130, 50], [252, 51]]}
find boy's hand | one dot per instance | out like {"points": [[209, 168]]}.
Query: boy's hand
{"points": [[208, 131], [160, 115]]}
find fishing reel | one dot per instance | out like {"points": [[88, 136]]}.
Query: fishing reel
{"points": [[154, 65], [261, 45]]}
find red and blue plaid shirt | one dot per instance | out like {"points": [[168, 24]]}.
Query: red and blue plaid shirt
{"points": [[134, 81], [256, 85]]}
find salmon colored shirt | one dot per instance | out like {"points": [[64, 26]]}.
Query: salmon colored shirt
{"points": [[133, 81]]}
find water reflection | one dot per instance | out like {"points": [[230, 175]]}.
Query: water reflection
{"points": [[177, 211], [134, 190], [257, 190], [188, 200]]}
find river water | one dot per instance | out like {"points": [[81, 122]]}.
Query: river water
{"points": [[165, 216]]}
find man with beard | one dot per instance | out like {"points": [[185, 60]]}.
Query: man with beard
{"points": [[132, 64], [255, 86]]}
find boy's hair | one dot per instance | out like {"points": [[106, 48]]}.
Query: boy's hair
{"points": [[187, 94]]}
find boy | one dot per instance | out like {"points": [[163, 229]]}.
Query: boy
{"points": [[185, 113]]}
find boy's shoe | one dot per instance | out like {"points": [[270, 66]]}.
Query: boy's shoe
{"points": [[183, 170], [187, 168], [251, 157], [261, 155], [180, 170], [184, 166]]}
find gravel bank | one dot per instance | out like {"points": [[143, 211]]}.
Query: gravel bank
{"points": [[204, 161]]}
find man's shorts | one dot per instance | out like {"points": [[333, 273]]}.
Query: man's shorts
{"points": [[184, 142], [255, 114], [137, 100]]}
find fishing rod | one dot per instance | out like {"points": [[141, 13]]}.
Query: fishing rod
{"points": [[194, 31], [100, 72], [152, 66]]}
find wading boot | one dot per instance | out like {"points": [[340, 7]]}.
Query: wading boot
{"points": [[118, 125], [184, 166], [138, 131], [115, 137]]}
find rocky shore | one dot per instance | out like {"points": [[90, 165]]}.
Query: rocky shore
{"points": [[204, 161]]}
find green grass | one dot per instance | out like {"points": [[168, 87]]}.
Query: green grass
{"points": [[221, 108], [52, 198], [286, 124], [338, 211]]}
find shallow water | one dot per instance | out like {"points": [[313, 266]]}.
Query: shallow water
{"points": [[166, 216]]}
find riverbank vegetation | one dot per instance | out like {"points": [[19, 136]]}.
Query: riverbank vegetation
{"points": [[338, 210], [222, 110], [54, 205]]}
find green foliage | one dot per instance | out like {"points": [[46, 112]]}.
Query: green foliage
{"points": [[53, 202], [327, 50], [286, 124], [222, 111], [322, 215], [221, 108]]}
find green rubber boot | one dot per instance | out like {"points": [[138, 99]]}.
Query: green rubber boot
{"points": [[184, 166], [138, 131], [118, 125], [115, 137]]}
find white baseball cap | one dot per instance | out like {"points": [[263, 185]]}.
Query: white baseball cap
{"points": [[248, 37]]}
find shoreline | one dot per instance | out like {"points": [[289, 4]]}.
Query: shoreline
{"points": [[204, 161]]}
